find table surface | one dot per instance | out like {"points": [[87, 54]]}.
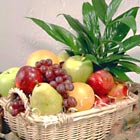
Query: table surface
{"points": [[126, 129]]}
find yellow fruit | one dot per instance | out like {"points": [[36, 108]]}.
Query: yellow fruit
{"points": [[63, 56], [45, 100], [39, 55], [84, 96]]}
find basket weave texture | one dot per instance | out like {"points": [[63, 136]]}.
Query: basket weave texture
{"points": [[93, 124]]}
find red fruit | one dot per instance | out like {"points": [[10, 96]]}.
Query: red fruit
{"points": [[119, 91], [103, 101], [27, 77], [101, 81]]}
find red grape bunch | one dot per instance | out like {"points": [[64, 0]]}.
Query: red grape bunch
{"points": [[58, 79], [17, 106]]}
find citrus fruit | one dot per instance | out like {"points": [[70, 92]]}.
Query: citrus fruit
{"points": [[39, 55], [84, 96]]}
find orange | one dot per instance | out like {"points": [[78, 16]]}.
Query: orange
{"points": [[41, 54], [84, 96]]}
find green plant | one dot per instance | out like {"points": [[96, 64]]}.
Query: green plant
{"points": [[107, 49]]}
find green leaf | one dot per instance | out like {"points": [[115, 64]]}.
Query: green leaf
{"points": [[119, 73], [118, 30], [90, 21], [129, 58], [130, 43], [59, 33], [83, 35], [88, 46], [70, 52], [100, 8], [92, 58], [131, 66], [77, 26], [111, 10], [112, 57], [74, 23], [129, 21]]}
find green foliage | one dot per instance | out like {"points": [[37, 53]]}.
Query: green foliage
{"points": [[107, 49]]}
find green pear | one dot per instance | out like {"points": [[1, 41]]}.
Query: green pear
{"points": [[7, 80], [46, 100]]}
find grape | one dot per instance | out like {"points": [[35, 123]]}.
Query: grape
{"points": [[65, 95], [67, 77], [61, 88], [53, 84], [17, 106], [14, 112], [43, 69], [55, 76], [58, 72], [48, 62], [56, 66], [58, 79], [49, 75], [65, 104], [21, 108], [71, 101], [69, 86], [38, 64]]}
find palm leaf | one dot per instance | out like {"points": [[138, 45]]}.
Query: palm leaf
{"points": [[130, 43], [91, 23], [129, 21], [119, 73], [60, 34], [111, 10], [100, 8], [131, 66], [118, 30]]}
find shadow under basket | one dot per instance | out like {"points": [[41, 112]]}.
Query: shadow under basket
{"points": [[93, 124]]}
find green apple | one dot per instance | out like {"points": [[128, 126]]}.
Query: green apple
{"points": [[63, 56], [78, 68], [46, 100], [7, 80]]}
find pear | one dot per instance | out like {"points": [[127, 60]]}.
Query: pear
{"points": [[46, 100]]}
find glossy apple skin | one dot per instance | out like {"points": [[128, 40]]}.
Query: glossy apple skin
{"points": [[78, 68], [27, 77], [101, 81], [45, 100], [7, 80], [119, 91]]}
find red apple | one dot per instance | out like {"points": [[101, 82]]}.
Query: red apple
{"points": [[27, 77], [119, 91], [103, 101], [101, 81]]}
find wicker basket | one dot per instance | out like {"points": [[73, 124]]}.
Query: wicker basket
{"points": [[93, 124]]}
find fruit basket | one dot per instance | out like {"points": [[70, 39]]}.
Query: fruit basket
{"points": [[93, 124], [81, 94]]}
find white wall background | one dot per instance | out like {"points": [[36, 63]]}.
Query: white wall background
{"points": [[20, 36]]}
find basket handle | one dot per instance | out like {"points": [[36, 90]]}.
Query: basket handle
{"points": [[23, 97]]}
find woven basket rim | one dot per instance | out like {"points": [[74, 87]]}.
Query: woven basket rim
{"points": [[63, 118]]}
